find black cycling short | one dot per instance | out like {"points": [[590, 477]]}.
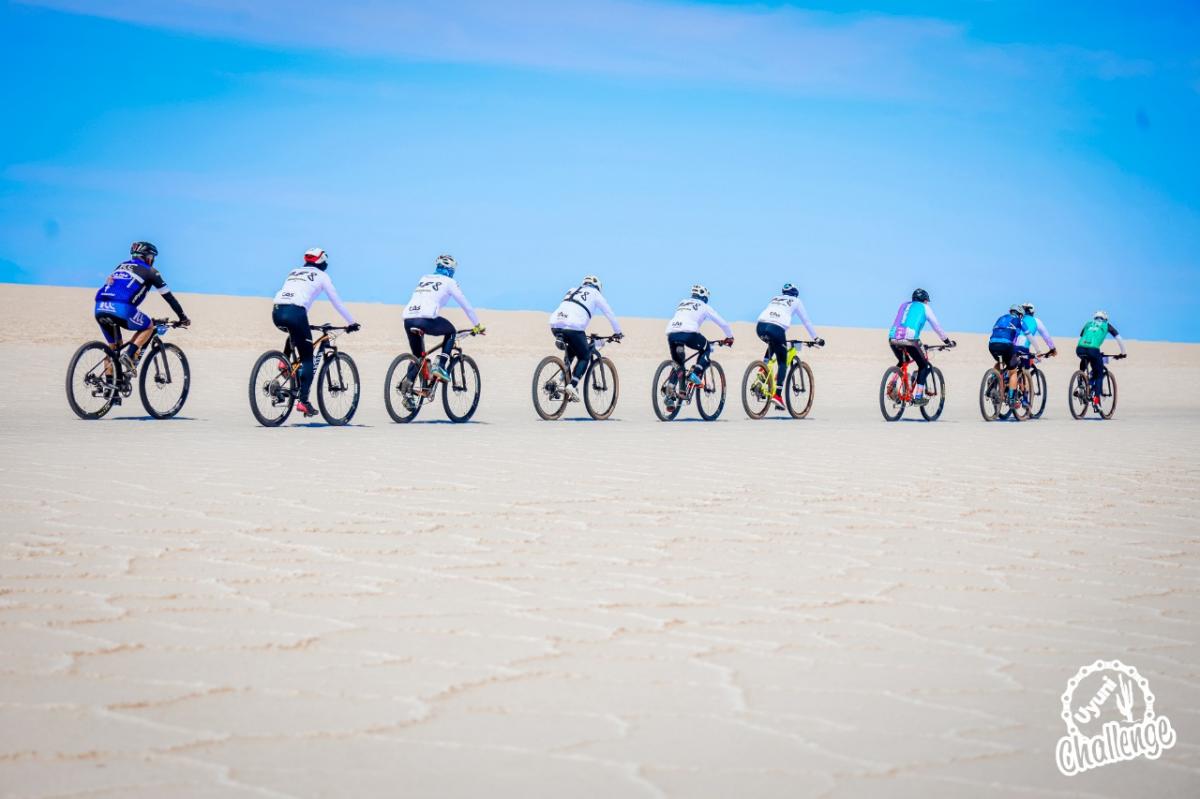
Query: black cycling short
{"points": [[1003, 351]]}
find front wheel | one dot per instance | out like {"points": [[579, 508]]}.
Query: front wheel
{"points": [[710, 394], [891, 394], [272, 388], [1079, 395], [91, 389], [549, 380], [756, 383], [398, 397], [1037, 393], [338, 389], [664, 392], [165, 381], [1108, 395], [799, 390], [601, 387], [935, 392], [460, 396], [991, 395]]}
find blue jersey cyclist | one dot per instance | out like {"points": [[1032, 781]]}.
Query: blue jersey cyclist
{"points": [[772, 328], [1091, 337], [1002, 344], [569, 323], [904, 337], [118, 299], [683, 332]]}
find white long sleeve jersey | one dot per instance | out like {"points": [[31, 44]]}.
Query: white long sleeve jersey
{"points": [[691, 314], [783, 309], [579, 306], [431, 295], [304, 285]]}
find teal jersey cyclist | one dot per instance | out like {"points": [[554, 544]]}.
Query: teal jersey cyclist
{"points": [[904, 337], [1091, 337]]}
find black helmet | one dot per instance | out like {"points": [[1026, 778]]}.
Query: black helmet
{"points": [[143, 248], [920, 295]]}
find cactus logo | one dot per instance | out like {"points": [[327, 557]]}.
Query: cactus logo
{"points": [[1109, 713]]}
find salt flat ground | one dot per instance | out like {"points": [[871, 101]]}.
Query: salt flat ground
{"points": [[830, 607]]}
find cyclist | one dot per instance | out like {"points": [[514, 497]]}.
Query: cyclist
{"points": [[118, 299], [772, 328], [1032, 328], [423, 316], [904, 337], [1091, 337], [300, 290], [1003, 344], [569, 324], [683, 331]]}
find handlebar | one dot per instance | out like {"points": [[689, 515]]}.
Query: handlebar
{"points": [[939, 347], [593, 337], [800, 343], [329, 328], [167, 322], [469, 331]]}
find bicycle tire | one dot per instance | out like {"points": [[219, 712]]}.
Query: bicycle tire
{"points": [[991, 395], [548, 386], [889, 393], [709, 390], [279, 385], [158, 364], [393, 396], [935, 386], [464, 367], [337, 374], [1020, 411], [754, 380], [662, 377], [799, 399], [1108, 389], [1037, 400], [108, 396], [608, 375]]}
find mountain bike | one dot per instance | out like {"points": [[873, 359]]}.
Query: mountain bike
{"points": [[601, 386], [100, 376], [1081, 397], [758, 383], [275, 381], [404, 398], [896, 390], [669, 397], [1030, 393]]}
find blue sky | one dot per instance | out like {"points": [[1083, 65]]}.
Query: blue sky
{"points": [[991, 152]]}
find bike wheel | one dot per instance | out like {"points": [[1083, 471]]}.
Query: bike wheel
{"points": [[402, 405], [663, 392], [1020, 411], [1079, 395], [710, 394], [1108, 395], [165, 381], [549, 378], [90, 389], [799, 390], [891, 394], [460, 396], [338, 389], [755, 384], [601, 387], [1037, 393], [991, 395], [935, 391], [272, 389]]}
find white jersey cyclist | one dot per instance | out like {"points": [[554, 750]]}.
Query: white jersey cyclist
{"points": [[578, 307], [692, 313], [434, 292], [304, 285], [783, 309]]}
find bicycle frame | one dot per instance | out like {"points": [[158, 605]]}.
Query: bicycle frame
{"points": [[908, 385], [428, 390], [690, 387], [595, 344]]}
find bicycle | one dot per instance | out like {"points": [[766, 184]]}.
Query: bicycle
{"points": [[709, 394], [99, 376], [460, 397], [275, 381], [1031, 392], [1080, 395], [758, 383], [896, 389], [601, 386]]}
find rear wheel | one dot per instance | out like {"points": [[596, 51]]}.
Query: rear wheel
{"points": [[272, 389], [549, 380], [1079, 395], [1021, 400], [1108, 396], [338, 389], [755, 385], [663, 392], [799, 390], [891, 394], [1037, 393], [165, 381], [710, 394], [401, 403], [991, 395], [460, 396], [90, 387], [601, 387], [935, 392]]}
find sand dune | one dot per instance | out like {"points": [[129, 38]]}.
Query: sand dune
{"points": [[828, 607]]}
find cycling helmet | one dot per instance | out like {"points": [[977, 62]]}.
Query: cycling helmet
{"points": [[790, 290], [1101, 315], [920, 295], [445, 265], [699, 293], [1016, 310], [143, 249], [1029, 309], [592, 280], [316, 257]]}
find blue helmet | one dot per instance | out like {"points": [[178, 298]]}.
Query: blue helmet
{"points": [[791, 290], [445, 265]]}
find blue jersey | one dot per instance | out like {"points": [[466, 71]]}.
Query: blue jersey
{"points": [[130, 282], [1006, 329]]}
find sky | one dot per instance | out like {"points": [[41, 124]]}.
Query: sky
{"points": [[990, 152]]}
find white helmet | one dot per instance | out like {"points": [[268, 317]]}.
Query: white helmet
{"points": [[446, 263], [1016, 310], [316, 257], [1101, 315], [699, 292], [1029, 309], [592, 280]]}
